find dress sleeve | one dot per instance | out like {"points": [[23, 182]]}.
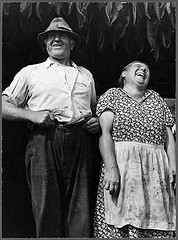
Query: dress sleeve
{"points": [[17, 91], [168, 117], [106, 102]]}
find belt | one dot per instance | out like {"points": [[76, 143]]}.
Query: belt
{"points": [[58, 124], [66, 125]]}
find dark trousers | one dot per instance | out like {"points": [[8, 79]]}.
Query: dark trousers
{"points": [[59, 174]]}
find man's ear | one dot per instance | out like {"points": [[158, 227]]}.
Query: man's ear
{"points": [[72, 44]]}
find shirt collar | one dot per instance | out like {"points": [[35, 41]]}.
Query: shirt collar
{"points": [[49, 62]]}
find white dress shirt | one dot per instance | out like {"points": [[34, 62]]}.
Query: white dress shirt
{"points": [[67, 91]]}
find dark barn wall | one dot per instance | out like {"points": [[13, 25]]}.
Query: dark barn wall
{"points": [[21, 48]]}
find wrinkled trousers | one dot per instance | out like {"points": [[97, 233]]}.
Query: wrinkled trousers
{"points": [[59, 174]]}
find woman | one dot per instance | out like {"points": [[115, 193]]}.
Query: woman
{"points": [[138, 151]]}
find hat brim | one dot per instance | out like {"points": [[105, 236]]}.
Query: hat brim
{"points": [[42, 36]]}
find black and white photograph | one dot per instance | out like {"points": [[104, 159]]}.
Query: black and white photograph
{"points": [[88, 119]]}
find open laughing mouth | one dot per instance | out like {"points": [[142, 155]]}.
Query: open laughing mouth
{"points": [[140, 73], [57, 45]]}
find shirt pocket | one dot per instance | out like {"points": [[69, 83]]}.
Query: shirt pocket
{"points": [[82, 86]]}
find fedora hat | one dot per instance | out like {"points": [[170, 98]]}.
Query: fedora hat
{"points": [[59, 25]]}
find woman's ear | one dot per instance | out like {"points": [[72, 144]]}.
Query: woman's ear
{"points": [[123, 73]]}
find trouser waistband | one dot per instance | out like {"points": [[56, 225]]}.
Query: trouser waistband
{"points": [[77, 124], [57, 124]]}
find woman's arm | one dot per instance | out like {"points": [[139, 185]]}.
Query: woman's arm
{"points": [[106, 145], [170, 150]]}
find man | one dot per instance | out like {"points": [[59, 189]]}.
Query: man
{"points": [[57, 99]]}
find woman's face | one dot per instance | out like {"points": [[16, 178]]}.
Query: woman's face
{"points": [[137, 74]]}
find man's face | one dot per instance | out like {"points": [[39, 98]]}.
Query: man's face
{"points": [[59, 45]]}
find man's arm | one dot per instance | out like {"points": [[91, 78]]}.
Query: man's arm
{"points": [[12, 112], [106, 145]]}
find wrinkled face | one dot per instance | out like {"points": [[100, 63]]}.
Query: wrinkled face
{"points": [[59, 45], [138, 73]]}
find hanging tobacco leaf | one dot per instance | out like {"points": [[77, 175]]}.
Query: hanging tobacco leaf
{"points": [[140, 33], [117, 7], [100, 37], [157, 9], [70, 8], [112, 11], [81, 8], [101, 28], [43, 9], [162, 9], [168, 7], [166, 32], [58, 8], [126, 20], [134, 11], [88, 35], [172, 15], [166, 42], [91, 21], [156, 53], [10, 36], [6, 7], [118, 30], [151, 37], [101, 5], [146, 10], [140, 10], [92, 12], [26, 9], [23, 7], [108, 10], [115, 18]]}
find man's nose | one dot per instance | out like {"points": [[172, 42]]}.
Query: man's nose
{"points": [[57, 37]]}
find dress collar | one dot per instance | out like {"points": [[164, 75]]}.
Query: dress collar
{"points": [[146, 95]]}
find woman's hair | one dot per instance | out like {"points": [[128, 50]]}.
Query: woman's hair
{"points": [[121, 78]]}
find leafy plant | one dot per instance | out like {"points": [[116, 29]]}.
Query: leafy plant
{"points": [[148, 22]]}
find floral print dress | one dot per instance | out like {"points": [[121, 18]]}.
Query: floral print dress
{"points": [[146, 199]]}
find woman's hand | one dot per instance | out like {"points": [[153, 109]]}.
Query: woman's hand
{"points": [[112, 180], [174, 183]]}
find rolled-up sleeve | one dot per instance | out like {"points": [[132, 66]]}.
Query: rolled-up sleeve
{"points": [[17, 91]]}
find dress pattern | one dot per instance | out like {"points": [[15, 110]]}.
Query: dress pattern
{"points": [[146, 202], [142, 122]]}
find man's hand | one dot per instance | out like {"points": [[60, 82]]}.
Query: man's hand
{"points": [[42, 118], [92, 125]]}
